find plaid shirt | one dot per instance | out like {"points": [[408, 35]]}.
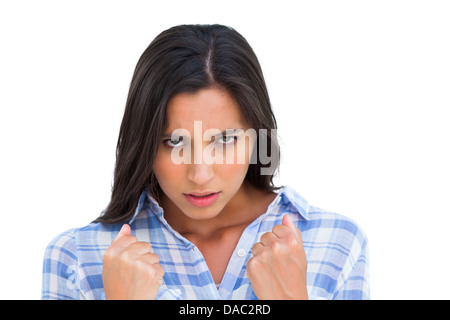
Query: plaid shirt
{"points": [[335, 247]]}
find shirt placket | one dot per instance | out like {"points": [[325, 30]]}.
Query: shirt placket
{"points": [[240, 256], [208, 289], [238, 260]]}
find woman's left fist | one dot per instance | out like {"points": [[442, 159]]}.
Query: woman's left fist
{"points": [[277, 269]]}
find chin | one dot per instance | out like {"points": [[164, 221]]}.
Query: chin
{"points": [[197, 213], [201, 213]]}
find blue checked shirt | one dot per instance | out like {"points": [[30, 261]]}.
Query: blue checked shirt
{"points": [[335, 247]]}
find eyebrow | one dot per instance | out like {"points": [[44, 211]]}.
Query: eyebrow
{"points": [[224, 132]]}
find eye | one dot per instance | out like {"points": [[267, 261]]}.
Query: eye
{"points": [[227, 139], [173, 142]]}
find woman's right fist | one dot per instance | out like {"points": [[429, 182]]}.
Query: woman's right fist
{"points": [[130, 270]]}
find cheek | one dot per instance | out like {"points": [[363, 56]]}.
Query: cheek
{"points": [[240, 153], [232, 173], [165, 170]]}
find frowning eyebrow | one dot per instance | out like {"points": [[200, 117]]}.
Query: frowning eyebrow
{"points": [[224, 132]]}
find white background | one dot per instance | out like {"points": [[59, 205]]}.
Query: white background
{"points": [[360, 89]]}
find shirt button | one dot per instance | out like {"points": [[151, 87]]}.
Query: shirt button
{"points": [[241, 253]]}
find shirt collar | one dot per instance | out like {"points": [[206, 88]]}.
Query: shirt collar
{"points": [[290, 196], [286, 195], [152, 203]]}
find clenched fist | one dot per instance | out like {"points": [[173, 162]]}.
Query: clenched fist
{"points": [[130, 270], [277, 269]]}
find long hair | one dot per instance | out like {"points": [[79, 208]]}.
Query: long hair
{"points": [[184, 59]]}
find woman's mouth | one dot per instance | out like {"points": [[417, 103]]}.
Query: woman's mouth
{"points": [[202, 200]]}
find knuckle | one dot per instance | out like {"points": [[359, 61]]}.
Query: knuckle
{"points": [[280, 230], [145, 245], [277, 247], [251, 267], [125, 257], [155, 257], [155, 271], [140, 265], [126, 241], [151, 272], [291, 241], [110, 254], [265, 236], [255, 248], [160, 270], [107, 254], [254, 263], [251, 263], [265, 254], [277, 228]]}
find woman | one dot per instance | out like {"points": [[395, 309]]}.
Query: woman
{"points": [[194, 213]]}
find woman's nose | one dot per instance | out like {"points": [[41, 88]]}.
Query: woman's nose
{"points": [[201, 173]]}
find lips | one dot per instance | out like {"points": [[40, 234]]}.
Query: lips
{"points": [[202, 199]]}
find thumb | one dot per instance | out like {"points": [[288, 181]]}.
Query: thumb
{"points": [[124, 231], [287, 221]]}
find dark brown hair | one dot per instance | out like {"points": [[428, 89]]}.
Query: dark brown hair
{"points": [[184, 59]]}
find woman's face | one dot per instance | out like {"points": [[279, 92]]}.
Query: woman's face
{"points": [[198, 160]]}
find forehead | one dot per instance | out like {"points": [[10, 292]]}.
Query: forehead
{"points": [[214, 107]]}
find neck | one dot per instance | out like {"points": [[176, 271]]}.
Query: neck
{"points": [[238, 211]]}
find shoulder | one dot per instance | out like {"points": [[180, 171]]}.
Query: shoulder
{"points": [[336, 227], [93, 235], [60, 261], [62, 246], [336, 248], [73, 262], [84, 244], [319, 224], [337, 251]]}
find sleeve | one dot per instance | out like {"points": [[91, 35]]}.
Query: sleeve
{"points": [[60, 279], [356, 284]]}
